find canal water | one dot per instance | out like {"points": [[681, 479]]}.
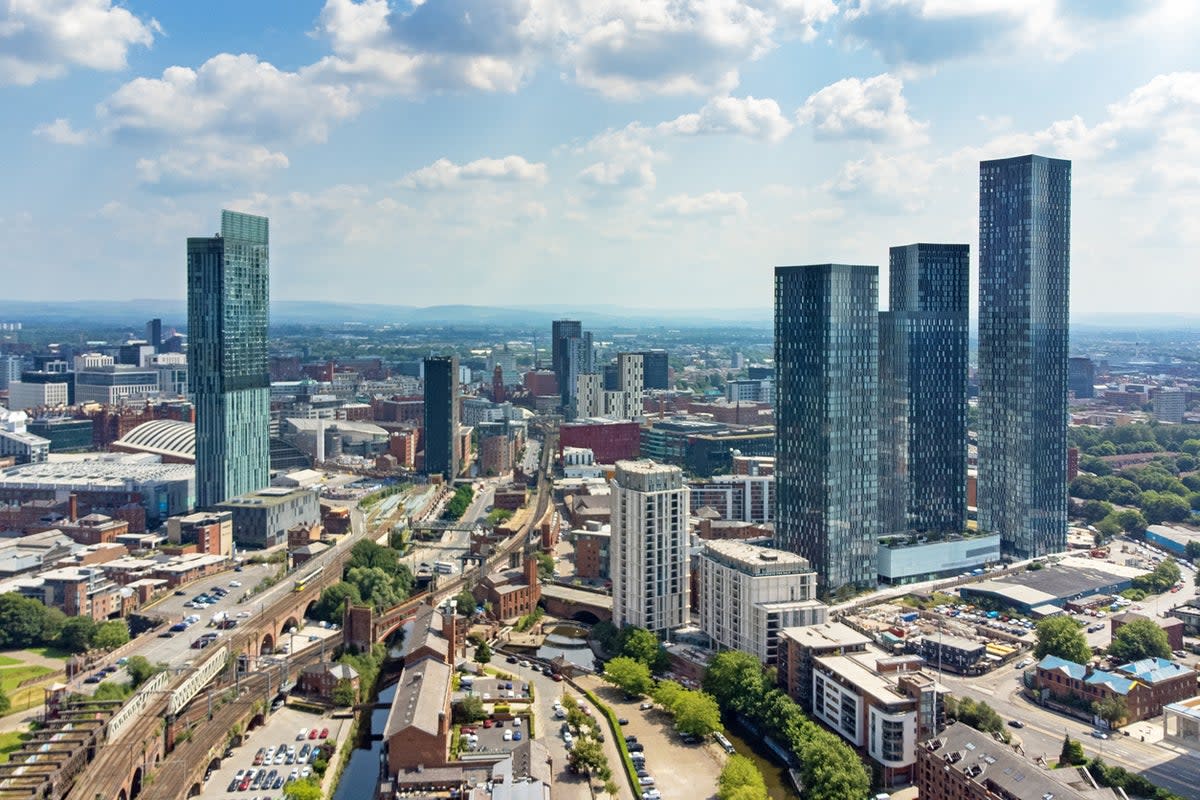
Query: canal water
{"points": [[362, 770], [570, 642], [779, 784]]}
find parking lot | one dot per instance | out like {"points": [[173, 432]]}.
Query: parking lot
{"points": [[679, 770], [281, 728]]}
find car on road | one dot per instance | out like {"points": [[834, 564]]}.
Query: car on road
{"points": [[1016, 723], [1099, 734]]}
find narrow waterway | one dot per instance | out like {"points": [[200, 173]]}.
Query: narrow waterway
{"points": [[779, 784], [362, 770]]}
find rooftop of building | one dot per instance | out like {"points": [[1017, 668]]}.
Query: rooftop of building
{"points": [[989, 762], [1189, 707], [830, 635], [111, 470], [1068, 668], [1056, 583], [420, 698], [339, 425], [1154, 670], [1175, 533], [858, 670], [165, 437], [753, 559], [271, 496]]}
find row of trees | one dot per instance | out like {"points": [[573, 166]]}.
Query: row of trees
{"points": [[374, 576], [30, 623], [1139, 438], [695, 712], [1063, 637], [458, 504], [741, 780], [829, 768]]}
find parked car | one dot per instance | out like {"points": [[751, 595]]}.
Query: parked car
{"points": [[646, 706], [622, 721]]}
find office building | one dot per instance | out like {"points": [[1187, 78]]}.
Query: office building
{"points": [[748, 594], [10, 370], [66, 435], [649, 546], [1024, 283], [24, 394], [263, 518], [1081, 377], [578, 358], [228, 297], [655, 370], [441, 416], [744, 498], [154, 333], [1169, 403], [826, 440], [589, 395], [560, 331], [17, 441], [115, 384], [923, 391]]}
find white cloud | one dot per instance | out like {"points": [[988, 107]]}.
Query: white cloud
{"points": [[927, 32], [443, 173], [61, 132], [42, 39], [873, 109], [626, 160], [709, 204], [621, 48], [752, 117], [217, 163]]}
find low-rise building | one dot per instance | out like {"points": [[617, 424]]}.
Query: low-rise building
{"points": [[17, 441], [80, 592], [800, 647], [207, 531], [1172, 627], [908, 559], [322, 678], [513, 593], [1143, 686], [591, 550], [748, 594], [953, 653], [263, 518], [961, 763], [417, 732]]}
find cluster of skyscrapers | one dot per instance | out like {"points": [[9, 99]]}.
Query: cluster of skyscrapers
{"points": [[871, 429]]}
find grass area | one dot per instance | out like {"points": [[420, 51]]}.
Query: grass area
{"points": [[9, 661], [28, 696], [10, 742], [50, 651]]}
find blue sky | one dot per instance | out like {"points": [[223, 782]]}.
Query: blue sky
{"points": [[651, 153]]}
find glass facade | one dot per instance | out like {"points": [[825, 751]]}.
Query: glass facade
{"points": [[441, 416], [923, 390], [1024, 277], [228, 298], [826, 435]]}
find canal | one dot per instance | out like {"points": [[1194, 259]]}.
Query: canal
{"points": [[779, 784], [570, 642], [362, 770]]}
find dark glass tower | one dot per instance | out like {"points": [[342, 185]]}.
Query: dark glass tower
{"points": [[560, 331], [826, 439], [228, 298], [1024, 277], [655, 368], [923, 390], [441, 416]]}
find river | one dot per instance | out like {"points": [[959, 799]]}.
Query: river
{"points": [[779, 785], [361, 775]]}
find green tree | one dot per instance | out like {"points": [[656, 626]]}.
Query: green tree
{"points": [[305, 789], [587, 755], [738, 775], [370, 554], [76, 634], [469, 709], [632, 677], [1092, 511], [5, 703], [332, 603], [1111, 709], [379, 587], [344, 694], [611, 789], [1132, 521], [1062, 637], [111, 635], [464, 603], [736, 680], [696, 713], [1071, 754], [1139, 639], [830, 769], [545, 567], [666, 693], [111, 690], [977, 714], [23, 622], [141, 670], [483, 653], [1164, 507], [642, 645]]}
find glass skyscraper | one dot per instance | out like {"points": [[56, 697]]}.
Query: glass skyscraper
{"points": [[1024, 282], [441, 416], [228, 297], [923, 390], [826, 435]]}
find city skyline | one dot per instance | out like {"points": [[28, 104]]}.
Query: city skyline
{"points": [[729, 139]]}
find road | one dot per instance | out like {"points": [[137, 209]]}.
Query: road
{"points": [[1043, 733]]}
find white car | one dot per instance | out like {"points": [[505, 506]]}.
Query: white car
{"points": [[235, 584], [508, 734], [302, 735], [517, 722]]}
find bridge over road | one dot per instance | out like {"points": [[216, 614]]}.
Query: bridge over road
{"points": [[581, 605]]}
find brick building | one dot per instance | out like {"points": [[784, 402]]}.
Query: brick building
{"points": [[591, 550], [1171, 626], [207, 532], [1144, 686], [321, 679], [513, 593], [610, 441]]}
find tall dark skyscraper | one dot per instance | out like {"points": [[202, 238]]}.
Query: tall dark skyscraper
{"points": [[154, 333], [655, 369], [228, 298], [1081, 377], [923, 390], [826, 435], [560, 331], [1024, 282], [441, 416]]}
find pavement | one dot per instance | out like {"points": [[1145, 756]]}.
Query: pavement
{"points": [[281, 727], [679, 770]]}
